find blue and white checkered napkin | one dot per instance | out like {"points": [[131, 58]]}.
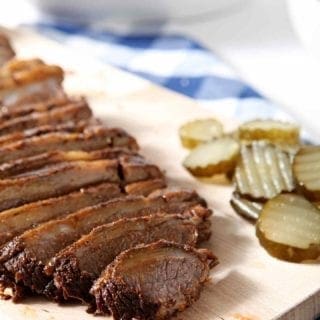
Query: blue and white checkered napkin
{"points": [[172, 61]]}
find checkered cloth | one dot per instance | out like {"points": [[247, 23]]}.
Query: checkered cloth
{"points": [[172, 61]]}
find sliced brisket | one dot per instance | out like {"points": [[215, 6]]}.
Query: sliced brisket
{"points": [[77, 266], [73, 111], [56, 180], [92, 139], [12, 112], [153, 282], [15, 221], [23, 259], [82, 215], [64, 177], [23, 165], [69, 126]]}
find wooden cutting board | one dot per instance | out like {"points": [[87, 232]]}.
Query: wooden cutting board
{"points": [[248, 284]]}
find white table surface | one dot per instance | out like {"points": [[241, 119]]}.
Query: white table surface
{"points": [[258, 41]]}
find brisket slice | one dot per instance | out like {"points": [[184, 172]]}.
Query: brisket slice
{"points": [[23, 165], [23, 259], [15, 221], [91, 139], [69, 126], [6, 50], [64, 177], [56, 180], [29, 108], [27, 81], [77, 266], [153, 281], [74, 111]]}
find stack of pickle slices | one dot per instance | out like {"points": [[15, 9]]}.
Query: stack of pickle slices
{"points": [[276, 179]]}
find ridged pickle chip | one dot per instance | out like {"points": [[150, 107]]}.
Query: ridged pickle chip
{"points": [[216, 157], [289, 228], [246, 208], [306, 170], [263, 171], [271, 130], [200, 131]]}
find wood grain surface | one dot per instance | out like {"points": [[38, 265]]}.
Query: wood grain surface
{"points": [[248, 284]]}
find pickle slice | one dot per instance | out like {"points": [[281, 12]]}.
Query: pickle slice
{"points": [[306, 170], [289, 228], [200, 131], [271, 130], [246, 208], [263, 171], [216, 157]]}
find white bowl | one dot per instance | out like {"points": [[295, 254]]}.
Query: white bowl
{"points": [[128, 10], [305, 16]]}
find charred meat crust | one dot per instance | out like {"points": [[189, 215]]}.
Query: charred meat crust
{"points": [[92, 139], [15, 221], [16, 167], [75, 111], [78, 265], [58, 179], [70, 283], [28, 254], [123, 302], [152, 281]]}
